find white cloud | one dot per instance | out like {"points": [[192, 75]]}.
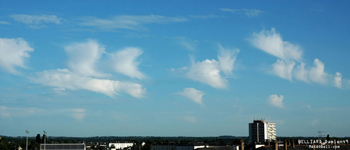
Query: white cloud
{"points": [[63, 78], [8, 112], [4, 22], [247, 12], [128, 22], [317, 73], [133, 89], [193, 94], [13, 53], [125, 62], [82, 71], [337, 80], [271, 42], [83, 57], [283, 69], [36, 21], [78, 114], [227, 59], [301, 73], [276, 101], [208, 71]]}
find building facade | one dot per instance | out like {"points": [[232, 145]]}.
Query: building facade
{"points": [[260, 131], [115, 146]]}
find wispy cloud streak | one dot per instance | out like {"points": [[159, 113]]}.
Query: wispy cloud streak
{"points": [[36, 21], [128, 22], [247, 12]]}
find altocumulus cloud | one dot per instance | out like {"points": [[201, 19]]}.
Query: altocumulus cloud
{"points": [[271, 42], [193, 94], [125, 62], [208, 71], [63, 78], [337, 80], [84, 56], [289, 55], [276, 101], [13, 53], [81, 76]]}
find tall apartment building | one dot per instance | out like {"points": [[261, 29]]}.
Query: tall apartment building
{"points": [[261, 130]]}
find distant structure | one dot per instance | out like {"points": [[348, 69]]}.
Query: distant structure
{"points": [[320, 135], [115, 146], [63, 146], [261, 130]]}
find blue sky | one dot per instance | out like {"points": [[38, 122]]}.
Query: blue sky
{"points": [[198, 68]]}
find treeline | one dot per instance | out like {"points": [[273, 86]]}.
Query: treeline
{"points": [[9, 143]]}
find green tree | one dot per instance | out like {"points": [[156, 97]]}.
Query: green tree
{"points": [[37, 138], [3, 144], [328, 137], [33, 146]]}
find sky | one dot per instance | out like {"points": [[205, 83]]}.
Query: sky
{"points": [[174, 68]]}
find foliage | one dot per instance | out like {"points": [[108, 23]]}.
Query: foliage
{"points": [[37, 138], [3, 144]]}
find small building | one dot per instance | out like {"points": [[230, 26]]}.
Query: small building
{"points": [[63, 146]]}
